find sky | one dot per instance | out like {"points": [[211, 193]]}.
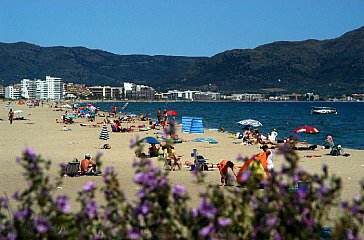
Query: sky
{"points": [[175, 27]]}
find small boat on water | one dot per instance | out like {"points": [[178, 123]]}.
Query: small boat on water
{"points": [[323, 110]]}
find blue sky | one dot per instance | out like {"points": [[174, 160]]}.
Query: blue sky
{"points": [[189, 28]]}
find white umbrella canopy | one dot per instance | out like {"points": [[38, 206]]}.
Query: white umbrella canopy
{"points": [[250, 122]]}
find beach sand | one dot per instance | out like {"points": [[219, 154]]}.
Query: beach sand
{"points": [[46, 136]]}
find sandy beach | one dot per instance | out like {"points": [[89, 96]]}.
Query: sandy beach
{"points": [[45, 135]]}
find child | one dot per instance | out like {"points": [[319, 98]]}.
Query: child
{"points": [[224, 166]]}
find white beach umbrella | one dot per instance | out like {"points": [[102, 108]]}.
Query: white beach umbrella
{"points": [[250, 122]]}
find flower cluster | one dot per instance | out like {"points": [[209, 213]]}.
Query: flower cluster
{"points": [[292, 204]]}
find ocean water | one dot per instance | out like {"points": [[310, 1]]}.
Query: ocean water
{"points": [[346, 127]]}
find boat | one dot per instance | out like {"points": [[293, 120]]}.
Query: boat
{"points": [[323, 110]]}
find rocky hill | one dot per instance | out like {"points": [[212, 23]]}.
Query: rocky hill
{"points": [[325, 67]]}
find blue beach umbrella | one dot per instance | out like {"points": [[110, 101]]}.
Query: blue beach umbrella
{"points": [[150, 140]]}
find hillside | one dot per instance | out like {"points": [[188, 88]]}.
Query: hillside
{"points": [[82, 65], [325, 67]]}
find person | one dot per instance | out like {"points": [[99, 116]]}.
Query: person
{"points": [[164, 121], [88, 167], [329, 142], [273, 135], [159, 116], [153, 151], [176, 161], [222, 129], [224, 166], [246, 139], [11, 116], [269, 157]]}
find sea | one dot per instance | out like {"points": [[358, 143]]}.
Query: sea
{"points": [[346, 127]]}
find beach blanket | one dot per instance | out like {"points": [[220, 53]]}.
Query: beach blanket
{"points": [[209, 140]]}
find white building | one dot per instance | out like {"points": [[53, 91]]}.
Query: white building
{"points": [[55, 88], [41, 90], [28, 88], [12, 92]]}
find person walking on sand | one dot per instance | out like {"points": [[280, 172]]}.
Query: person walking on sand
{"points": [[11, 116], [159, 116]]}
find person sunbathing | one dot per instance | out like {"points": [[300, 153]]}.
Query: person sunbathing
{"points": [[87, 166], [176, 160]]}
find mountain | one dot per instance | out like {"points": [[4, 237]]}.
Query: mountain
{"points": [[333, 66], [82, 65], [326, 67]]}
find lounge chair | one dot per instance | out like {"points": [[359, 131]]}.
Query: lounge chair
{"points": [[201, 163], [72, 169]]}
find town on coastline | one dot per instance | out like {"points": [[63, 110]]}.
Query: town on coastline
{"points": [[54, 88]]}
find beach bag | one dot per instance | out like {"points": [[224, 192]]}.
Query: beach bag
{"points": [[106, 146]]}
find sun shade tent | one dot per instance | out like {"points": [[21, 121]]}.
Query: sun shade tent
{"points": [[192, 125]]}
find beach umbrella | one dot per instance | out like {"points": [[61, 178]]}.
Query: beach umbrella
{"points": [[150, 140], [250, 122], [306, 129], [172, 113], [18, 111], [104, 134], [124, 107]]}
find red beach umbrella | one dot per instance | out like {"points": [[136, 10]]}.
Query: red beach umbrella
{"points": [[172, 113], [306, 129]]}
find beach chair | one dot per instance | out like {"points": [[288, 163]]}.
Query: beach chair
{"points": [[202, 163], [72, 169]]}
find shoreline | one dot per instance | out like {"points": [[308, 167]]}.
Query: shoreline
{"points": [[42, 133]]}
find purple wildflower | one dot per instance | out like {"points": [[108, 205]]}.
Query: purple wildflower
{"points": [[134, 234], [162, 182], [277, 236], [139, 177], [30, 154], [22, 214], [18, 160], [107, 173], [3, 203], [41, 223], [133, 142], [207, 209], [239, 157], [135, 163], [179, 190], [244, 177], [344, 205], [99, 154], [145, 208], [223, 222], [63, 204], [91, 209], [349, 234], [89, 187], [62, 166], [271, 221], [194, 212], [205, 231], [16, 196]]}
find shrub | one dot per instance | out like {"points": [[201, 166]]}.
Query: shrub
{"points": [[161, 211]]}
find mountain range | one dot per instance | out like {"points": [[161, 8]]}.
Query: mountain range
{"points": [[327, 67]]}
